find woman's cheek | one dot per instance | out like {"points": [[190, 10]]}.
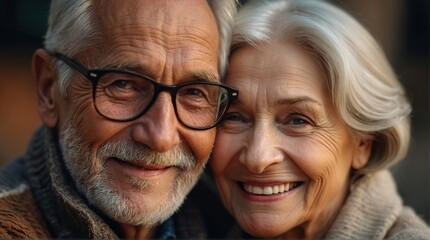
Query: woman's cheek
{"points": [[220, 154]]}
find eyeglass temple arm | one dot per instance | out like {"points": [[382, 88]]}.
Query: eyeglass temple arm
{"points": [[78, 67]]}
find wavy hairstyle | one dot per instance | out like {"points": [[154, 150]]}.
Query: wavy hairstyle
{"points": [[363, 86]]}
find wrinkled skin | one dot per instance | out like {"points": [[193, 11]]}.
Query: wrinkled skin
{"points": [[158, 39], [283, 130]]}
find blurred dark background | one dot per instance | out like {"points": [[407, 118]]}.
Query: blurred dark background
{"points": [[400, 26]]}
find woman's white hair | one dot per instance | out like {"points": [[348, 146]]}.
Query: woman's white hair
{"points": [[362, 84], [72, 29]]}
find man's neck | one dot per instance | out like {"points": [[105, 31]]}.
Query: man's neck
{"points": [[136, 232]]}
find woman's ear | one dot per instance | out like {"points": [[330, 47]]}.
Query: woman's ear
{"points": [[46, 84], [363, 148]]}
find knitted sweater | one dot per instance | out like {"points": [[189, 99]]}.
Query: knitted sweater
{"points": [[374, 210], [38, 200]]}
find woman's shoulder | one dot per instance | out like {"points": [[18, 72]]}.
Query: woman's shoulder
{"points": [[374, 209], [409, 226]]}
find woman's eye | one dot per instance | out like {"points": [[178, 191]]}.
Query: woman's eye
{"points": [[235, 122], [233, 117], [296, 120], [299, 121]]}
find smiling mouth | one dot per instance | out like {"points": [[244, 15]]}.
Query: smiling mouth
{"points": [[142, 166], [270, 190]]}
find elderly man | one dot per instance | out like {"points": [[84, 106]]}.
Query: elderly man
{"points": [[129, 93]]}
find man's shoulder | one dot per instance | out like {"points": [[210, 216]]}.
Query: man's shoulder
{"points": [[19, 216], [12, 174]]}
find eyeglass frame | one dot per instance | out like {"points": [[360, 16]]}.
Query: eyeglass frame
{"points": [[94, 76]]}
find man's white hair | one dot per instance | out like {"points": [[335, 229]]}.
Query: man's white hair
{"points": [[72, 30]]}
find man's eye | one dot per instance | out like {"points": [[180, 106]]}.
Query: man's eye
{"points": [[123, 84], [194, 92], [123, 89]]}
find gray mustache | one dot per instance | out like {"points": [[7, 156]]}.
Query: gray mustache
{"points": [[133, 152]]}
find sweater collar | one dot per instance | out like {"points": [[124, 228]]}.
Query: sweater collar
{"points": [[370, 210], [66, 213]]}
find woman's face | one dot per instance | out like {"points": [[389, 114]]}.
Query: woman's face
{"points": [[283, 155]]}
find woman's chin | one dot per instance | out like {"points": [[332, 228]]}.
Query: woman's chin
{"points": [[264, 226]]}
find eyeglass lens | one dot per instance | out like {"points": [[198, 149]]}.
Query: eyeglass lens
{"points": [[122, 96]]}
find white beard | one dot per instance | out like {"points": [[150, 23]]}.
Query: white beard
{"points": [[93, 180]]}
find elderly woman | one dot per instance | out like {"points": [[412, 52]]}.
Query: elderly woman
{"points": [[304, 152]]}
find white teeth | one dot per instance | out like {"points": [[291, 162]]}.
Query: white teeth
{"points": [[268, 190], [275, 189], [257, 190], [281, 188]]}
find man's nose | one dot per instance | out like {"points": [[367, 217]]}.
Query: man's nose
{"points": [[158, 127]]}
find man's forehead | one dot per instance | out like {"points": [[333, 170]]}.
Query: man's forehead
{"points": [[151, 12], [161, 20]]}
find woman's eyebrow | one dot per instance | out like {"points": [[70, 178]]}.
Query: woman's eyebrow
{"points": [[298, 100]]}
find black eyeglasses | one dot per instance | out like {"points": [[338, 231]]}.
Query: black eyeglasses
{"points": [[125, 96]]}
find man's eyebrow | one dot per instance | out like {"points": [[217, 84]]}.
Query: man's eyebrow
{"points": [[125, 67], [205, 77]]}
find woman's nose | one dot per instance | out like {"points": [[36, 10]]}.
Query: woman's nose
{"points": [[262, 149]]}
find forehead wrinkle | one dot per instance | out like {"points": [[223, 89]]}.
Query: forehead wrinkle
{"points": [[140, 68], [269, 73], [169, 39], [162, 24], [151, 48], [291, 72], [199, 35]]}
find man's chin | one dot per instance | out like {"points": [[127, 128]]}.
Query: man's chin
{"points": [[134, 207]]}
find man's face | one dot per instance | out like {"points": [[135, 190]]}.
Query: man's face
{"points": [[139, 172]]}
